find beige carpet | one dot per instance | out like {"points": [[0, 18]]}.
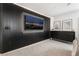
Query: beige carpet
{"points": [[44, 48]]}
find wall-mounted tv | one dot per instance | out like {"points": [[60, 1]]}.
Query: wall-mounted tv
{"points": [[32, 23]]}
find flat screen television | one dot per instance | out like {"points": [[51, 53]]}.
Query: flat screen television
{"points": [[32, 23]]}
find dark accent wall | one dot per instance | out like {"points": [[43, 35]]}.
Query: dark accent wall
{"points": [[12, 35], [1, 29]]}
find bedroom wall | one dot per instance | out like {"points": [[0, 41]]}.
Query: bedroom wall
{"points": [[74, 15], [13, 37]]}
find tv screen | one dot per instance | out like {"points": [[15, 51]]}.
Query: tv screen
{"points": [[33, 22]]}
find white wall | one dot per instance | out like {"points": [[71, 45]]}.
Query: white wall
{"points": [[51, 23], [71, 15]]}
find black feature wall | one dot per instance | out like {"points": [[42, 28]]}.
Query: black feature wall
{"points": [[0, 27], [11, 35]]}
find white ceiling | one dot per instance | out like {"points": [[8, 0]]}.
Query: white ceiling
{"points": [[51, 9]]}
